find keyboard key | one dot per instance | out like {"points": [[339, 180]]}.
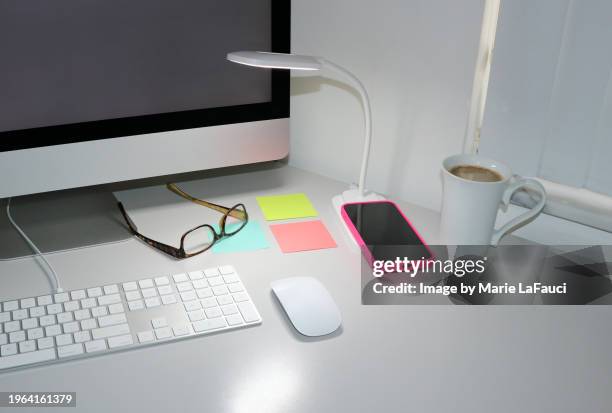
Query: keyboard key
{"points": [[235, 287], [82, 336], [231, 278], [120, 341], [89, 303], [71, 350], [44, 300], [12, 326], [181, 330], [196, 275], [53, 330], [145, 336], [220, 290], [110, 331], [188, 296], [88, 324], [248, 311], [54, 308], [11, 306], [46, 342], [29, 323], [99, 311], [162, 281], [226, 269], [196, 315], [61, 297], [225, 299], [211, 272], [148, 283], [111, 320], [96, 345], [109, 299], [28, 302], [152, 302], [209, 302], [35, 333], [45, 320], [234, 319], [3, 339], [215, 281], [94, 292], [213, 312], [71, 327], [238, 297], [111, 289], [71, 305], [165, 289], [26, 358], [159, 322], [168, 299], [64, 317], [27, 346], [206, 325], [185, 286], [178, 278], [116, 308], [229, 309], [17, 336], [162, 333], [78, 294], [63, 339], [20, 314], [149, 292], [192, 305], [200, 284], [5, 317], [37, 311], [130, 286], [132, 295], [204, 293], [136, 305], [81, 314], [8, 350]]}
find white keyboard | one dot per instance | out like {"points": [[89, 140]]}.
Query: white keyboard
{"points": [[113, 317]]}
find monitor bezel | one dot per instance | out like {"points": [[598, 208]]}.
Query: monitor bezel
{"points": [[276, 108]]}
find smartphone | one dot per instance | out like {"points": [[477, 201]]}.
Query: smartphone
{"points": [[383, 232]]}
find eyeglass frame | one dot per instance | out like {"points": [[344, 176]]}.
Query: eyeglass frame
{"points": [[179, 253]]}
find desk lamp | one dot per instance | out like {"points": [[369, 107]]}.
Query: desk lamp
{"points": [[312, 63]]}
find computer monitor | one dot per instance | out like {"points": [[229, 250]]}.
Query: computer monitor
{"points": [[104, 91]]}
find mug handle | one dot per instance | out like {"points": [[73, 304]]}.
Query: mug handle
{"points": [[525, 217]]}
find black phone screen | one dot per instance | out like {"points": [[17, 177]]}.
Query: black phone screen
{"points": [[385, 231]]}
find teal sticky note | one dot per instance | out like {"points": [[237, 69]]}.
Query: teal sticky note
{"points": [[250, 238]]}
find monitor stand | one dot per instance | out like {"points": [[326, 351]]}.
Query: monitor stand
{"points": [[61, 221]]}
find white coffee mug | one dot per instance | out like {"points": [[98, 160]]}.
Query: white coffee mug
{"points": [[469, 208]]}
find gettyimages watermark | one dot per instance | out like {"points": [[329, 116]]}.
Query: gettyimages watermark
{"points": [[483, 275]]}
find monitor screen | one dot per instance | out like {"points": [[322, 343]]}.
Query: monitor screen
{"points": [[76, 70]]}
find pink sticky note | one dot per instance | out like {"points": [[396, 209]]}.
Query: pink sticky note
{"points": [[302, 236]]}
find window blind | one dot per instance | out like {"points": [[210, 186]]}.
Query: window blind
{"points": [[549, 104]]}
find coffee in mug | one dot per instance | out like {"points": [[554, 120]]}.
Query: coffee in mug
{"points": [[474, 189], [476, 173]]}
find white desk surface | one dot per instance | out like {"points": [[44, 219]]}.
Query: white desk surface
{"points": [[385, 358]]}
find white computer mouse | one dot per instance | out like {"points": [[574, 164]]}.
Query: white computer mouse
{"points": [[308, 305]]}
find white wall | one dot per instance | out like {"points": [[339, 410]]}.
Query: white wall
{"points": [[416, 58]]}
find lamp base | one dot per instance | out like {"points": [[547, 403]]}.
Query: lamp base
{"points": [[350, 196]]}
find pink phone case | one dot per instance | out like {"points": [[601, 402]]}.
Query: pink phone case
{"points": [[361, 243]]}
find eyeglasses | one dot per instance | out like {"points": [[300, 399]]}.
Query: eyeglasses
{"points": [[201, 238]]}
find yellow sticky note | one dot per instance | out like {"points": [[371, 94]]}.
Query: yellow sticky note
{"points": [[290, 206]]}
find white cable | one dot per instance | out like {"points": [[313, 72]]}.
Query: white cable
{"points": [[54, 278]]}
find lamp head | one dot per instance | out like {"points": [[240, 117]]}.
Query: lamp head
{"points": [[275, 60]]}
